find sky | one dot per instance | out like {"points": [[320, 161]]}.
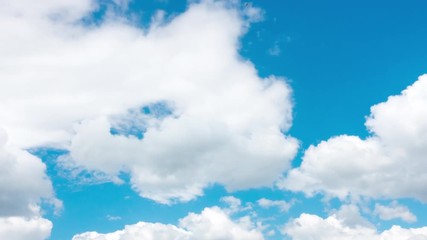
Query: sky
{"points": [[213, 120]]}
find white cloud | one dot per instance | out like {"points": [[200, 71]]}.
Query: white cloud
{"points": [[338, 227], [20, 228], [141, 230], [387, 164], [393, 211], [399, 233], [23, 186], [23, 183], [212, 224], [234, 204], [66, 88], [308, 226], [267, 203], [350, 216], [64, 10]]}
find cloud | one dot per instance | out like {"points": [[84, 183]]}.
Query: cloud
{"points": [[393, 211], [210, 224], [20, 228], [336, 227], [141, 230], [23, 183], [23, 186], [70, 85], [234, 204], [267, 203], [384, 165], [65, 11]]}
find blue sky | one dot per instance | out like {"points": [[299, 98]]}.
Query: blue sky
{"points": [[213, 120]]}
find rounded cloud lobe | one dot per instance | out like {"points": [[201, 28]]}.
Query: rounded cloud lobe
{"points": [[19, 228], [212, 223], [23, 185], [335, 227], [385, 165]]}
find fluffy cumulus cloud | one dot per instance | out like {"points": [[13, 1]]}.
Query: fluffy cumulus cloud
{"points": [[20, 228], [173, 105], [23, 185], [23, 182], [141, 230], [341, 226], [384, 165], [211, 224]]}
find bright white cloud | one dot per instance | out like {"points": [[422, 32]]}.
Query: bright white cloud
{"points": [[339, 227], [393, 211], [141, 230], [212, 224], [267, 203], [70, 85], [23, 185], [399, 233], [387, 164], [308, 226], [20, 228]]}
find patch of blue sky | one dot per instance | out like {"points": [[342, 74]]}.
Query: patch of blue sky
{"points": [[136, 121], [342, 58], [139, 13]]}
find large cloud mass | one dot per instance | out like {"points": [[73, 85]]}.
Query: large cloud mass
{"points": [[212, 224], [389, 164], [23, 185], [172, 105], [23, 182], [20, 228]]}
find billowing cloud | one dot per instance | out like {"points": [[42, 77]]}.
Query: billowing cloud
{"points": [[339, 227], [87, 88], [23, 182], [384, 165], [23, 186], [212, 224], [20, 228], [141, 230]]}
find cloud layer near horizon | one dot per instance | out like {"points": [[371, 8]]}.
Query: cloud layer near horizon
{"points": [[346, 224], [211, 224]]}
